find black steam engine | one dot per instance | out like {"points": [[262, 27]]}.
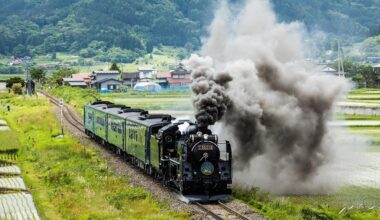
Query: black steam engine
{"points": [[182, 155], [196, 165]]}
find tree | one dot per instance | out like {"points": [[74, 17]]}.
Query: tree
{"points": [[38, 74], [59, 74], [14, 80], [115, 67]]}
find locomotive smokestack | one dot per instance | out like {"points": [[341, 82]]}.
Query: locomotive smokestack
{"points": [[210, 100]]}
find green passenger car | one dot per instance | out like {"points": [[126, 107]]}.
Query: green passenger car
{"points": [[89, 118], [100, 124], [135, 139], [115, 132]]}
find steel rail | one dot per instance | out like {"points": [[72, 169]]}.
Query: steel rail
{"points": [[230, 210], [208, 211], [66, 113]]}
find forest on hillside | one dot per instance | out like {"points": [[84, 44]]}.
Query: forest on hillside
{"points": [[129, 28]]}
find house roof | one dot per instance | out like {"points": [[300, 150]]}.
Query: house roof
{"points": [[106, 72], [81, 75], [173, 81], [164, 75], [73, 79], [77, 83], [180, 71], [328, 69], [146, 68], [106, 80], [130, 75]]}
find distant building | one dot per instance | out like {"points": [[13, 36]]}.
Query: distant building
{"points": [[109, 74], [130, 79], [106, 80], [75, 82], [373, 59], [162, 78], [146, 73], [327, 69], [15, 62], [86, 77], [178, 77], [106, 84]]}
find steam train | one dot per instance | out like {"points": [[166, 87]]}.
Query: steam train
{"points": [[182, 155]]}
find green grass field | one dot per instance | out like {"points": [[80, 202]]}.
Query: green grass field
{"points": [[170, 101], [4, 77], [69, 180]]}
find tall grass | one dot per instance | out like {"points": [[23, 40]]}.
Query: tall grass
{"points": [[323, 207], [69, 180]]}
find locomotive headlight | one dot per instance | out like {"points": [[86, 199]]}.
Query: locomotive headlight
{"points": [[207, 168]]}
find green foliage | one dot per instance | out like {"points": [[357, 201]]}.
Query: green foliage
{"points": [[348, 18], [371, 46], [17, 88], [313, 207], [5, 69], [13, 80], [115, 67], [58, 75], [38, 74], [76, 97], [31, 27]]}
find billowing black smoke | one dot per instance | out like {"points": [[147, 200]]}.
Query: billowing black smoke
{"points": [[210, 100], [268, 102]]}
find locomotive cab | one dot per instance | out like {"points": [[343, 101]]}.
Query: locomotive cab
{"points": [[206, 165]]}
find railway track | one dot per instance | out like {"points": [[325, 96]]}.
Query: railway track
{"points": [[220, 211], [67, 113]]}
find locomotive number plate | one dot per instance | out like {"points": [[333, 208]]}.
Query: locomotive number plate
{"points": [[205, 147]]}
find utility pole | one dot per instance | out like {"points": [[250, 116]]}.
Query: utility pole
{"points": [[28, 80], [61, 106]]}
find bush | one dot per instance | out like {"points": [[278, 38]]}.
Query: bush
{"points": [[17, 88], [13, 80]]}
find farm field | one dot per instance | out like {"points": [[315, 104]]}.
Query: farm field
{"points": [[176, 103], [4, 77]]}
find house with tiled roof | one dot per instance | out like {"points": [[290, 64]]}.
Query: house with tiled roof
{"points": [[178, 77]]}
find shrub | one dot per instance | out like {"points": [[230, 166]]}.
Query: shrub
{"points": [[17, 88]]}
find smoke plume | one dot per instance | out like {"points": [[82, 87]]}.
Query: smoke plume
{"points": [[252, 79], [210, 99]]}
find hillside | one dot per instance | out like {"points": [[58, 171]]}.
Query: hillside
{"points": [[342, 17], [129, 28]]}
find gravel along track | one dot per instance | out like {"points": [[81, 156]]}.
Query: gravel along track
{"points": [[137, 177]]}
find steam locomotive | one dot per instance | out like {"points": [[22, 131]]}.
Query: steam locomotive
{"points": [[179, 153]]}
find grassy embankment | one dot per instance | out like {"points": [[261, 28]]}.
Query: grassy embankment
{"points": [[68, 180]]}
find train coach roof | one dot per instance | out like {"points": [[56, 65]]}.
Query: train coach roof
{"points": [[139, 116], [149, 121]]}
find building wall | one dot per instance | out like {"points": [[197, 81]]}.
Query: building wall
{"points": [[105, 85], [100, 76]]}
